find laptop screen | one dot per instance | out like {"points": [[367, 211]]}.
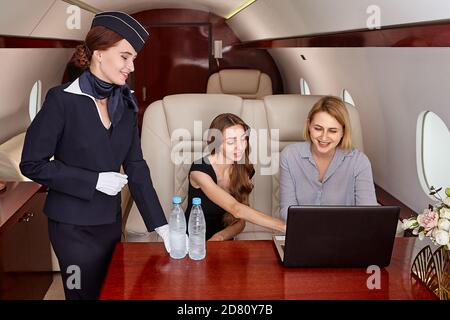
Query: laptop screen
{"points": [[340, 236]]}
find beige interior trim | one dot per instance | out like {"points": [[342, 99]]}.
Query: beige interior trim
{"points": [[83, 5]]}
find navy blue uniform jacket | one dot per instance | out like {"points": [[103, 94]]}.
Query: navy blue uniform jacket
{"points": [[69, 128]]}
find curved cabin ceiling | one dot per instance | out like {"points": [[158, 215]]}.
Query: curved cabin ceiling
{"points": [[266, 19], [262, 19], [220, 8], [287, 18]]}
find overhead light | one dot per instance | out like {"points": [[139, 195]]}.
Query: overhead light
{"points": [[239, 9]]}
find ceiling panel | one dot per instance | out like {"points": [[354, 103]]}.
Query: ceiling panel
{"points": [[54, 23], [221, 8], [19, 17]]}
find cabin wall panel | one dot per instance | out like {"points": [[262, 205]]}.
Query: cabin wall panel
{"points": [[21, 68], [21, 16], [391, 87], [41, 18], [54, 24], [276, 19]]}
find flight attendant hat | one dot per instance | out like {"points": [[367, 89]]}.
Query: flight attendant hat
{"points": [[123, 24]]}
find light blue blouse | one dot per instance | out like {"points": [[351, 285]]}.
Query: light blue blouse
{"points": [[348, 180]]}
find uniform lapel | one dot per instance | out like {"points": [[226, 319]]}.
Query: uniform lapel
{"points": [[74, 88]]}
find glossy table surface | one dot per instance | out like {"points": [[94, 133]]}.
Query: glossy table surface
{"points": [[250, 270]]}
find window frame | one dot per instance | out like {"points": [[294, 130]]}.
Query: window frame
{"points": [[305, 89], [36, 90]]}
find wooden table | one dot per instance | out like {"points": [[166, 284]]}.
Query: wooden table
{"points": [[25, 252], [249, 270]]}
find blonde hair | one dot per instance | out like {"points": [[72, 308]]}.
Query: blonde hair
{"points": [[336, 108]]}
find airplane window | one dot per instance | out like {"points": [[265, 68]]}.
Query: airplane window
{"points": [[35, 99], [433, 152], [304, 87], [347, 97]]}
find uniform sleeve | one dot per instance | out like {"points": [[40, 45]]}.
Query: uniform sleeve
{"points": [[141, 186], [287, 186], [41, 140], [364, 187]]}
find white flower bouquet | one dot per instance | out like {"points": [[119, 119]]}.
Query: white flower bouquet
{"points": [[433, 222]]}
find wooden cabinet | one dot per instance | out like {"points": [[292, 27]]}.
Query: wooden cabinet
{"points": [[25, 254]]}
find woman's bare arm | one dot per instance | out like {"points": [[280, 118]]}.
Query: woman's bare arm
{"points": [[227, 202], [230, 231]]}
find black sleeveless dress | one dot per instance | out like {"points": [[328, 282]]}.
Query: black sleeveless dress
{"points": [[213, 213]]}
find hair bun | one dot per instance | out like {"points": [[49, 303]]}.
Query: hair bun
{"points": [[82, 56]]}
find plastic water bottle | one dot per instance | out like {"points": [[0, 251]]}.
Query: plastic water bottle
{"points": [[177, 229], [197, 230]]}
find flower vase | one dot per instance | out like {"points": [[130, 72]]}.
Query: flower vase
{"points": [[433, 269]]}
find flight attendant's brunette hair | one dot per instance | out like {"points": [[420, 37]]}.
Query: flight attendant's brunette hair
{"points": [[98, 38], [240, 183]]}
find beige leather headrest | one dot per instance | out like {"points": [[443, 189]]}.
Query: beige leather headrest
{"points": [[183, 110], [246, 83]]}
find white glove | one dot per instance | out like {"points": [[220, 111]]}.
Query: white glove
{"points": [[163, 232], [111, 182]]}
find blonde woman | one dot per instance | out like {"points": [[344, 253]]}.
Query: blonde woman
{"points": [[325, 169]]}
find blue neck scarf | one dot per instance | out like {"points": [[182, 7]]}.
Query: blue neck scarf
{"points": [[118, 96]]}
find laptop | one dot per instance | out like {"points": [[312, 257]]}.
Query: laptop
{"points": [[338, 236]]}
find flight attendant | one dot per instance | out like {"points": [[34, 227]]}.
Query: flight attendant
{"points": [[90, 129]]}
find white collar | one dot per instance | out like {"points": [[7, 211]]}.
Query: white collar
{"points": [[74, 88]]}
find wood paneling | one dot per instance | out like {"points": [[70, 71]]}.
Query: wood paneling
{"points": [[232, 57], [386, 199], [25, 254], [159, 19], [28, 42], [175, 61], [436, 34]]}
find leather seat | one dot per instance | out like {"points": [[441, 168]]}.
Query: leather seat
{"points": [[172, 139], [246, 83], [10, 154]]}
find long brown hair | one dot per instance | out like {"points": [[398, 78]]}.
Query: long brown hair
{"points": [[98, 38], [336, 108], [240, 184]]}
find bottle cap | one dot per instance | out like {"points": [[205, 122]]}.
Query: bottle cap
{"points": [[176, 200], [196, 201]]}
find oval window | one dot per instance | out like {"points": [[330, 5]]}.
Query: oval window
{"points": [[433, 152], [304, 87], [35, 100], [346, 96]]}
